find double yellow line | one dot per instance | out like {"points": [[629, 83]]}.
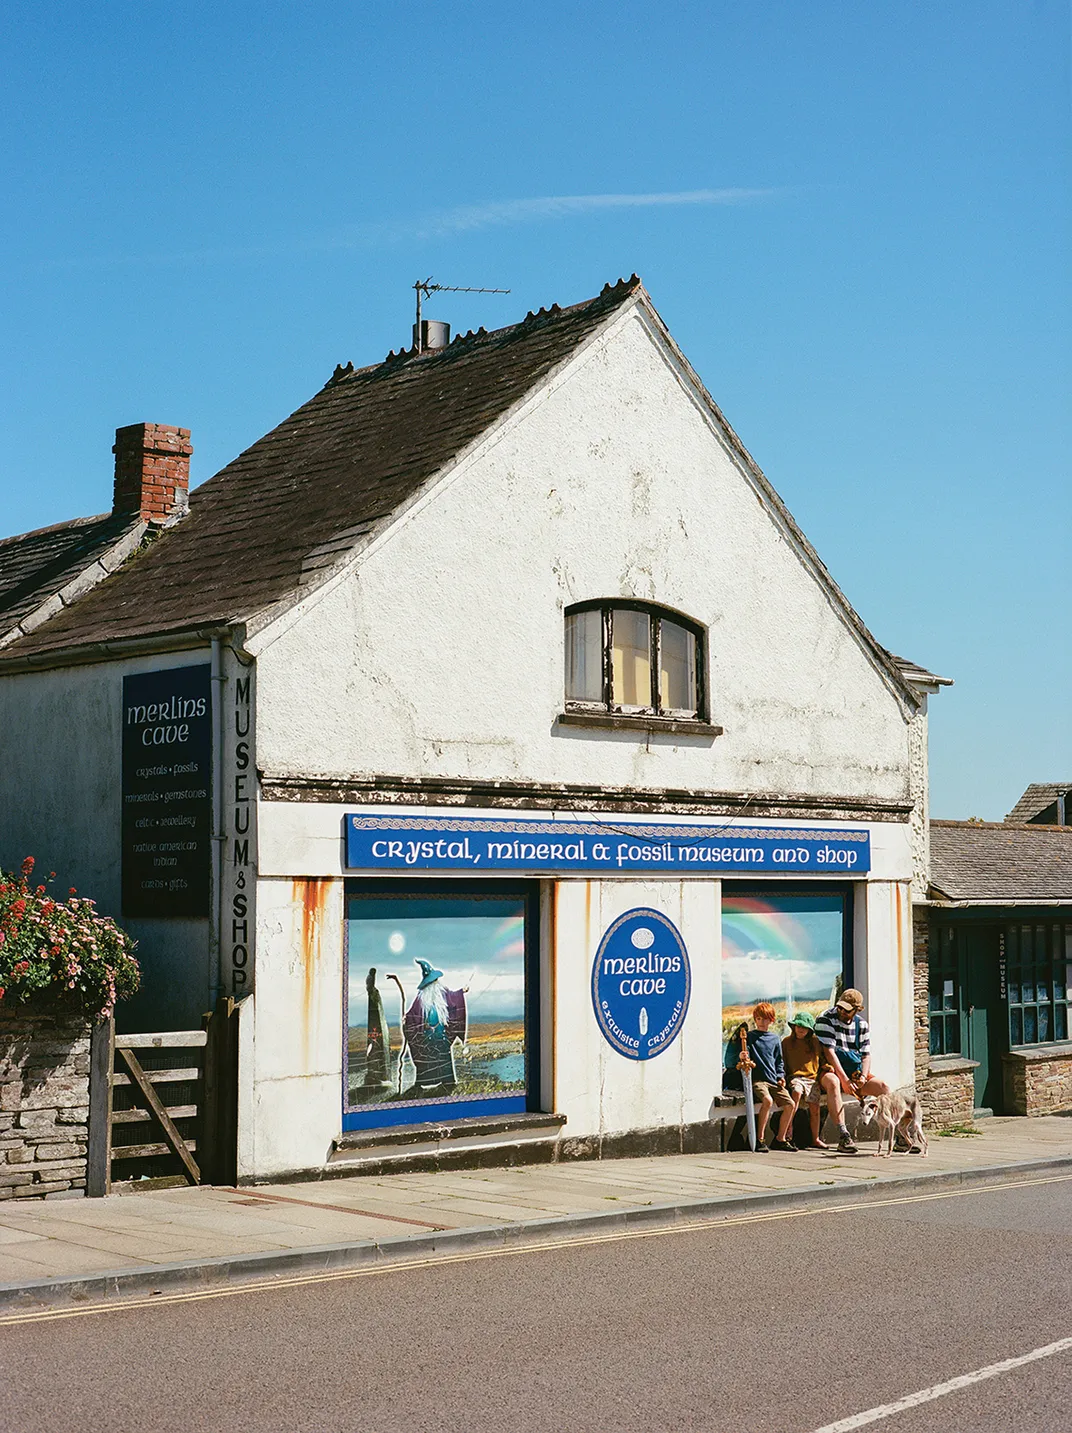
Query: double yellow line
{"points": [[543, 1246]]}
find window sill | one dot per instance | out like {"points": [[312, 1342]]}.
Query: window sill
{"points": [[1052, 1050], [614, 721], [950, 1065]]}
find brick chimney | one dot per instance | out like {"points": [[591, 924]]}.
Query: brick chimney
{"points": [[152, 470]]}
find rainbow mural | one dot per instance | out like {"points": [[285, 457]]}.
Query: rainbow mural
{"points": [[786, 949]]}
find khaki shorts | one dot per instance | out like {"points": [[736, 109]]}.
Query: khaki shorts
{"points": [[809, 1090], [782, 1098]]}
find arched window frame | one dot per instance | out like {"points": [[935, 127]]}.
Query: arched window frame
{"points": [[651, 715]]}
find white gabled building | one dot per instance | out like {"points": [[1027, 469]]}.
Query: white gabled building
{"points": [[498, 668]]}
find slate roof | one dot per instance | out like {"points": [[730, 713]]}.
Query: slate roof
{"points": [[1038, 798], [995, 863], [307, 491], [51, 563]]}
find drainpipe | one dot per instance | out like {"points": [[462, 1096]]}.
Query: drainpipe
{"points": [[215, 913]]}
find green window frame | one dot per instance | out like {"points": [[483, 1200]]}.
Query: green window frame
{"points": [[1036, 960], [946, 982]]}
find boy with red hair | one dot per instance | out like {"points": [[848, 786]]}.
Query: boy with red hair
{"points": [[768, 1079]]}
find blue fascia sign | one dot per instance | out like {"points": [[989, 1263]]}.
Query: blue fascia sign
{"points": [[641, 983], [461, 843]]}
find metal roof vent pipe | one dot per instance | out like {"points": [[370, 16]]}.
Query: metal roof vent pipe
{"points": [[430, 335]]}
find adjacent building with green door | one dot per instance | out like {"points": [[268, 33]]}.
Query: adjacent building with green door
{"points": [[994, 969]]}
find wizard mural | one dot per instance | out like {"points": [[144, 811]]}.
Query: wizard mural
{"points": [[436, 1000], [433, 1023]]}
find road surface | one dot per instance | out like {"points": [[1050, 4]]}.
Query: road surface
{"points": [[787, 1323]]}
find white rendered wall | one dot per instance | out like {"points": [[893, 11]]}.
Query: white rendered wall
{"points": [[61, 802], [883, 941], [291, 1074], [598, 1090], [441, 653], [293, 1079]]}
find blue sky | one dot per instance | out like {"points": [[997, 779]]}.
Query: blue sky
{"points": [[855, 220]]}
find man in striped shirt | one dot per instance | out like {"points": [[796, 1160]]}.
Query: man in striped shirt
{"points": [[846, 1040]]}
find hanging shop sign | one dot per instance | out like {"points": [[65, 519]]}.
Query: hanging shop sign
{"points": [[401, 843], [641, 983], [167, 808]]}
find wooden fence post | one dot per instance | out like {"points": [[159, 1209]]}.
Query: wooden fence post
{"points": [[220, 1121], [99, 1145]]}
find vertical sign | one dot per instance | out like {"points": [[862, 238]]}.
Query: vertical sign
{"points": [[167, 784], [238, 874]]}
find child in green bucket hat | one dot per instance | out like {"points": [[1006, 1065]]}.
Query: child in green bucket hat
{"points": [[802, 1054]]}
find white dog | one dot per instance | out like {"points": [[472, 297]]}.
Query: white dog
{"points": [[895, 1113]]}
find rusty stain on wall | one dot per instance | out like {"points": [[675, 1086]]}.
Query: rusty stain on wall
{"points": [[310, 897], [602, 1058], [899, 895]]}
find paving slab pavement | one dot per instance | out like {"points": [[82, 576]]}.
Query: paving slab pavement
{"points": [[61, 1240]]}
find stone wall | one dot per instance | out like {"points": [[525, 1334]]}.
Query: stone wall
{"points": [[945, 1084], [947, 1093], [44, 1103], [1038, 1081]]}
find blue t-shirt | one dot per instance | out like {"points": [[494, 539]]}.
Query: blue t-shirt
{"points": [[765, 1048]]}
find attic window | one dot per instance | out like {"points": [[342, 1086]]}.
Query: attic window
{"points": [[637, 662]]}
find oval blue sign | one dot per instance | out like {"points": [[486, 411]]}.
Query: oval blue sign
{"points": [[641, 983]]}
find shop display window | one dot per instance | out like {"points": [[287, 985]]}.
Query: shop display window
{"points": [[792, 948], [438, 996], [944, 1006], [1038, 964]]}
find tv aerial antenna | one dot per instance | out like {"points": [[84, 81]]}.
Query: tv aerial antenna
{"points": [[425, 288]]}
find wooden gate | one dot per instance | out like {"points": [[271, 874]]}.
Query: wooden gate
{"points": [[164, 1106]]}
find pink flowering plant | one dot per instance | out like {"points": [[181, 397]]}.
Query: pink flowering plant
{"points": [[61, 949]]}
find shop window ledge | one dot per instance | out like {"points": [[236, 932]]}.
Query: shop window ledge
{"points": [[443, 1131]]}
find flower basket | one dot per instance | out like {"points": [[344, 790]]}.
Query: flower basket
{"points": [[61, 955]]}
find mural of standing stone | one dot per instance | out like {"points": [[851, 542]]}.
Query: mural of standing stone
{"points": [[378, 1049]]}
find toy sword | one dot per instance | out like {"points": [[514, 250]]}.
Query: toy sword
{"points": [[746, 1066]]}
